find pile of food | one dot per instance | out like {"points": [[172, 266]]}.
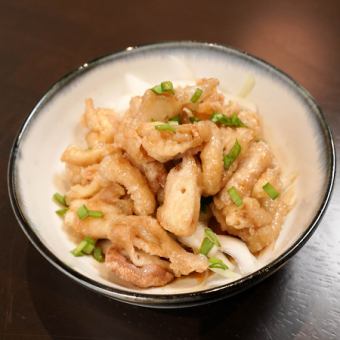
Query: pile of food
{"points": [[173, 186]]}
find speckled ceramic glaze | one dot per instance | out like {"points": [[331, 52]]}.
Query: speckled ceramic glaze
{"points": [[293, 123]]}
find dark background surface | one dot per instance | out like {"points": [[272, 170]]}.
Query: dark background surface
{"points": [[43, 40]]}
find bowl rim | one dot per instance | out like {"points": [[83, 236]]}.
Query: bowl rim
{"points": [[189, 298]]}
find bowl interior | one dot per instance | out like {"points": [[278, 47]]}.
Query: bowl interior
{"points": [[292, 126]]}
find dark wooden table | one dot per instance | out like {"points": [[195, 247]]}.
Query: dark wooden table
{"points": [[41, 41]]}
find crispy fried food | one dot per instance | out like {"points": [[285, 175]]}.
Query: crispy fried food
{"points": [[164, 146], [255, 162], [101, 122], [212, 162], [129, 140], [157, 107], [252, 121], [97, 228], [256, 238], [116, 168], [211, 100], [252, 222], [144, 233], [147, 275], [147, 183], [83, 191], [84, 157], [180, 210]]}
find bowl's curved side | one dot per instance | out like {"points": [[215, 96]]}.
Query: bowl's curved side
{"points": [[175, 300]]}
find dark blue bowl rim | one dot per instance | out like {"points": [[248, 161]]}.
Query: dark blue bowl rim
{"points": [[183, 298]]}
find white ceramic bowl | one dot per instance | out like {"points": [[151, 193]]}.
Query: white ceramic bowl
{"points": [[293, 125]]}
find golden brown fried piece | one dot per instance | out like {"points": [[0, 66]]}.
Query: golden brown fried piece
{"points": [[101, 122], [129, 140], [116, 168], [212, 162], [130, 162], [144, 233], [256, 237], [145, 276], [84, 157], [255, 162], [180, 210], [254, 223], [164, 145], [157, 107], [97, 228]]}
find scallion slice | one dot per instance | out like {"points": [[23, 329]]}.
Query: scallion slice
{"points": [[88, 249], [209, 241], [98, 254], [157, 89], [167, 86], [233, 120], [212, 236], [90, 240], [83, 212], [235, 197], [232, 155], [271, 191], [86, 246], [165, 127], [61, 212], [175, 119], [78, 251], [206, 246], [217, 263], [196, 96], [95, 213], [218, 117], [60, 199], [163, 87]]}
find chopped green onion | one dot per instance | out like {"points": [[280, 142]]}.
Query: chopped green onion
{"points": [[233, 120], [209, 241], [212, 236], [217, 263], [271, 191], [235, 197], [88, 249], [83, 212], [175, 119], [193, 119], [60, 199], [232, 155], [218, 117], [61, 212], [157, 89], [196, 96], [98, 254], [90, 240], [86, 246], [78, 251], [206, 246], [95, 213], [167, 86], [165, 127]]}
